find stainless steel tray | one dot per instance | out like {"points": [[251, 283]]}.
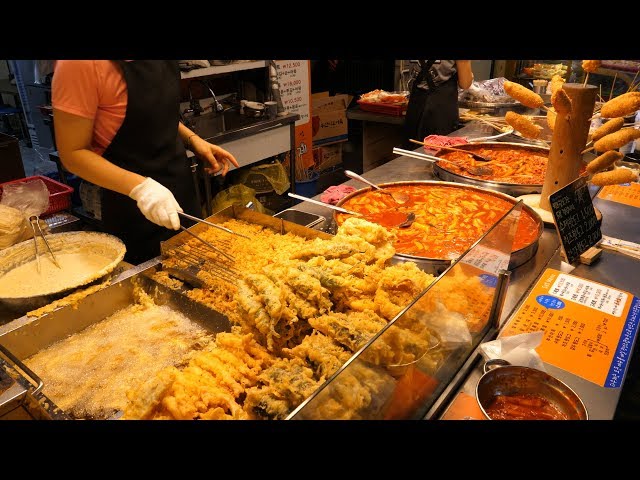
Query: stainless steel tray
{"points": [[26, 336], [436, 266], [514, 189]]}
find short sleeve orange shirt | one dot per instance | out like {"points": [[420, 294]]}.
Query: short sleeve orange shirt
{"points": [[94, 89]]}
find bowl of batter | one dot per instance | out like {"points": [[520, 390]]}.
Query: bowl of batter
{"points": [[84, 258]]}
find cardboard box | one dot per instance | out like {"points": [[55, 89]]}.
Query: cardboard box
{"points": [[327, 156], [329, 118]]}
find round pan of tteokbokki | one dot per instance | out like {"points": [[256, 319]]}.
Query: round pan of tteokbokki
{"points": [[514, 168], [450, 218]]}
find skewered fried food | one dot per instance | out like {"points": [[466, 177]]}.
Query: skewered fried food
{"points": [[604, 161], [615, 140], [615, 177], [525, 96], [561, 102], [551, 118], [606, 128], [621, 106], [591, 65], [556, 83], [522, 124]]}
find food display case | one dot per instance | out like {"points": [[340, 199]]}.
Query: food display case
{"points": [[432, 337]]}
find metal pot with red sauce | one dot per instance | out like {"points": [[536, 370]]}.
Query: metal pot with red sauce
{"points": [[512, 392], [449, 217]]}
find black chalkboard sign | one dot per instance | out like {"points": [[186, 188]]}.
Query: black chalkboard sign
{"points": [[575, 219]]}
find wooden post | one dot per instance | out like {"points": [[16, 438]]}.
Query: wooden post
{"points": [[569, 139]]}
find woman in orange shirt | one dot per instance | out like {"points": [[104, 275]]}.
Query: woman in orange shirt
{"points": [[117, 126]]}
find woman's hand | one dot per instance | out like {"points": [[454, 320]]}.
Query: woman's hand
{"points": [[219, 159]]}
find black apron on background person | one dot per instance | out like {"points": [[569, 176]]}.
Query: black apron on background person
{"points": [[433, 108], [148, 144]]}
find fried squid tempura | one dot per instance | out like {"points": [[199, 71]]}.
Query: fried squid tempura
{"points": [[525, 96], [615, 177], [621, 106], [522, 124], [615, 140]]}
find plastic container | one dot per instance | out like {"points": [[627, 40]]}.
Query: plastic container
{"points": [[59, 193]]}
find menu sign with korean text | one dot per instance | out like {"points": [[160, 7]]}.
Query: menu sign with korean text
{"points": [[295, 93], [575, 219], [589, 328], [627, 193]]}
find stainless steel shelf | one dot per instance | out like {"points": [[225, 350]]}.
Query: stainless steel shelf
{"points": [[218, 69]]}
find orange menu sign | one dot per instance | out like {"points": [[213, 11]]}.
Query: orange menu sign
{"points": [[627, 193], [589, 328]]}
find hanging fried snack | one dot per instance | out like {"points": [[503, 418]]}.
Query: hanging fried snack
{"points": [[591, 65], [551, 118], [615, 140], [522, 124], [615, 177], [561, 102], [621, 106], [525, 96], [611, 126], [556, 83], [604, 161]]}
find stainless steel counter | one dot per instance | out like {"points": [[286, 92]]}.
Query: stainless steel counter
{"points": [[611, 269]]}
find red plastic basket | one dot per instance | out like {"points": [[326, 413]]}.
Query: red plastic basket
{"points": [[59, 193], [384, 108]]}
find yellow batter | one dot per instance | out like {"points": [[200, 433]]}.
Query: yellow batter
{"points": [[78, 268]]}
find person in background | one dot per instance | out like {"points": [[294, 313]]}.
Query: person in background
{"points": [[433, 98], [117, 126]]}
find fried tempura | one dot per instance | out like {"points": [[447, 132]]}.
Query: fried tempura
{"points": [[615, 140], [606, 128], [621, 106], [615, 177], [604, 161], [522, 124], [525, 96]]}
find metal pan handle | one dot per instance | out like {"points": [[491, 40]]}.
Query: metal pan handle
{"points": [[32, 377], [494, 363]]}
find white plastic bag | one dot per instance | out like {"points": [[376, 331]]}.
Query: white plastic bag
{"points": [[517, 349]]}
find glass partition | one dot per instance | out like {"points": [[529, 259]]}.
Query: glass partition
{"points": [[401, 371]]}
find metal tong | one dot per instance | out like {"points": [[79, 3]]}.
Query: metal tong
{"points": [[36, 219], [200, 220]]}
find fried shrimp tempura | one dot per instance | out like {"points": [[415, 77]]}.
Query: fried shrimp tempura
{"points": [[521, 93]]}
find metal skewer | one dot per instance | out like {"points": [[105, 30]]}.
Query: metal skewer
{"points": [[207, 243], [200, 220], [35, 219]]}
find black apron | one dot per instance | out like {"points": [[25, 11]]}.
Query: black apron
{"points": [[148, 143], [433, 111]]}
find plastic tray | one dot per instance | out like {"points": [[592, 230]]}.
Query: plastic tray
{"points": [[384, 108], [59, 193]]}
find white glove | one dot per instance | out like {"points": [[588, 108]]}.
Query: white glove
{"points": [[157, 203]]}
